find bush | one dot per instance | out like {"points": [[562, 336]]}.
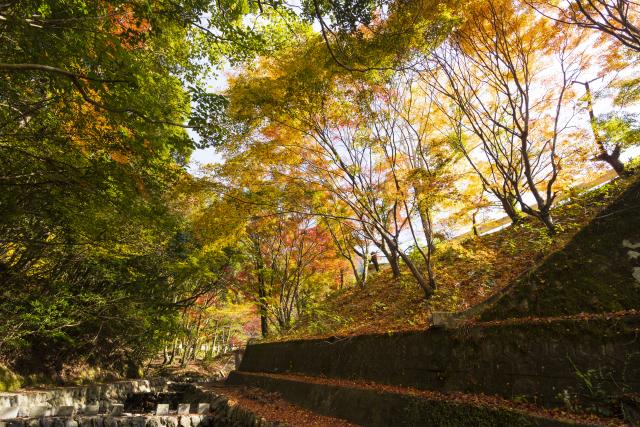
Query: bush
{"points": [[9, 380]]}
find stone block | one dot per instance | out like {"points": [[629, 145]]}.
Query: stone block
{"points": [[9, 412], [117, 409], [162, 409], [64, 411], [170, 421], [184, 408], [39, 411], [137, 421], [444, 319], [92, 409], [204, 408]]}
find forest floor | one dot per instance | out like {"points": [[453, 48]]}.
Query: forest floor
{"points": [[273, 408], [468, 271], [199, 370]]}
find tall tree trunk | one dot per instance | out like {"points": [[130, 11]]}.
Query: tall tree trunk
{"points": [[427, 228], [365, 268], [214, 345], [173, 351], [262, 291], [262, 308], [392, 258], [185, 351], [612, 159], [165, 355]]}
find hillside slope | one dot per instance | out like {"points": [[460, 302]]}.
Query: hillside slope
{"points": [[520, 261], [596, 272]]}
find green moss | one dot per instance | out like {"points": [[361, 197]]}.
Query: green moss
{"points": [[420, 412], [9, 380]]}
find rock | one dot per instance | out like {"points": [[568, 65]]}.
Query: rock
{"points": [[9, 412], [110, 422], [171, 421], [152, 422], [162, 409], [444, 319]]}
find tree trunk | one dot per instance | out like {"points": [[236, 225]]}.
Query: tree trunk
{"points": [[612, 159], [262, 293], [547, 220], [165, 355], [376, 264], [264, 319], [425, 284], [474, 224], [509, 207], [365, 268], [427, 229], [395, 265], [173, 351]]}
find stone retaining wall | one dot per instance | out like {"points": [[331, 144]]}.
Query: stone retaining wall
{"points": [[537, 359], [382, 408], [224, 412], [79, 396]]}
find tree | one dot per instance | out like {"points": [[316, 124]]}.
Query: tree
{"points": [[617, 19], [328, 124], [490, 69], [96, 260]]}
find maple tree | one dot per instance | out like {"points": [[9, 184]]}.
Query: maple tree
{"points": [[494, 73]]}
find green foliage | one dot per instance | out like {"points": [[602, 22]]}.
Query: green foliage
{"points": [[446, 299], [9, 380], [345, 16], [620, 129], [98, 253]]}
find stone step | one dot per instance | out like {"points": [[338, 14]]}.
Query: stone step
{"points": [[370, 404]]}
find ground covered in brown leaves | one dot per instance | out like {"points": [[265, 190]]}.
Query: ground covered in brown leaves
{"points": [[480, 400], [275, 409]]}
